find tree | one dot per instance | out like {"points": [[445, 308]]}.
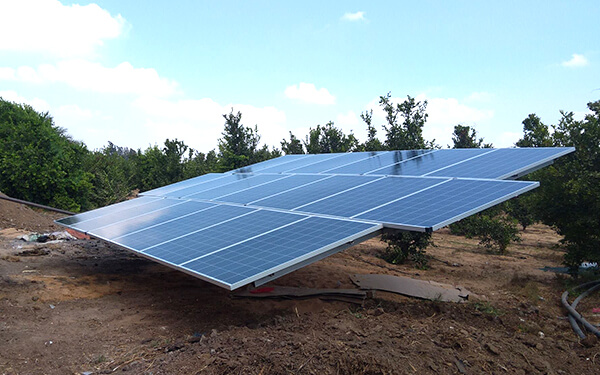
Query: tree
{"points": [[113, 172], [39, 162], [466, 137], [569, 195], [372, 143], [328, 138], [405, 245], [408, 134], [239, 145], [293, 146], [535, 133]]}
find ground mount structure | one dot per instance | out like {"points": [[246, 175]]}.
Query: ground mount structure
{"points": [[257, 223]]}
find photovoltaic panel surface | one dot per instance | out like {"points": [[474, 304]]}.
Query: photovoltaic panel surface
{"points": [[502, 163], [260, 256], [264, 220], [376, 162], [430, 162], [445, 203]]}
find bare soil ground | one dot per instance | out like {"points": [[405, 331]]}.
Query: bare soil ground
{"points": [[85, 306]]}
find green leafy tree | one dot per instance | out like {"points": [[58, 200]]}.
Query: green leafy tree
{"points": [[239, 145], [199, 163], [466, 137], [407, 246], [39, 162], [328, 138], [569, 195], [293, 146], [536, 134], [405, 121], [372, 143], [113, 172], [493, 227]]}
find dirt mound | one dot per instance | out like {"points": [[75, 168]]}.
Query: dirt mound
{"points": [[15, 215]]}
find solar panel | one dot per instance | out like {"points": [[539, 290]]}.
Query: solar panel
{"points": [[262, 221]]}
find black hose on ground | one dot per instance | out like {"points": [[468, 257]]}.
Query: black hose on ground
{"points": [[36, 205], [574, 316]]}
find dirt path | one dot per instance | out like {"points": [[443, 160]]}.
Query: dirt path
{"points": [[84, 306]]}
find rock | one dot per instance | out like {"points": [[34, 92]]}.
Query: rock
{"points": [[35, 298], [492, 348], [378, 311]]}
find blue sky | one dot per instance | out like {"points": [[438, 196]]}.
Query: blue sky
{"points": [[138, 72]]}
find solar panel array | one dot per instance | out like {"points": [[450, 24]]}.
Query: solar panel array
{"points": [[261, 221]]}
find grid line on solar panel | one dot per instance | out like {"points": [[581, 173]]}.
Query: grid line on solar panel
{"points": [[302, 218], [309, 160], [505, 163], [324, 165], [181, 226], [379, 192], [401, 198], [208, 185], [238, 186], [102, 221], [270, 252], [311, 192], [437, 206], [337, 167], [215, 237], [151, 219], [492, 151], [254, 168], [380, 161], [271, 189], [183, 184], [338, 193], [428, 162], [107, 210]]}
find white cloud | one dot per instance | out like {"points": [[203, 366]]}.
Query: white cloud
{"points": [[357, 16], [38, 104], [347, 119], [480, 96], [307, 92], [91, 76], [576, 61], [47, 26], [199, 123]]}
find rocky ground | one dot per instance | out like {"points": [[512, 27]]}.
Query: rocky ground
{"points": [[83, 306]]}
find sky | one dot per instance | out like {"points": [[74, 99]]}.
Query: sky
{"points": [[138, 72]]}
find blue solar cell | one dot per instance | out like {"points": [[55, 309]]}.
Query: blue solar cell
{"points": [[208, 185], [183, 184], [108, 210], [378, 161], [430, 162], [236, 186], [256, 258], [335, 162], [129, 213], [258, 167], [310, 193], [300, 162], [443, 204], [259, 192], [363, 198], [149, 219], [206, 241], [503, 163], [180, 227]]}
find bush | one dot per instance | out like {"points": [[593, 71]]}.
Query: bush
{"points": [[494, 229], [407, 246]]}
